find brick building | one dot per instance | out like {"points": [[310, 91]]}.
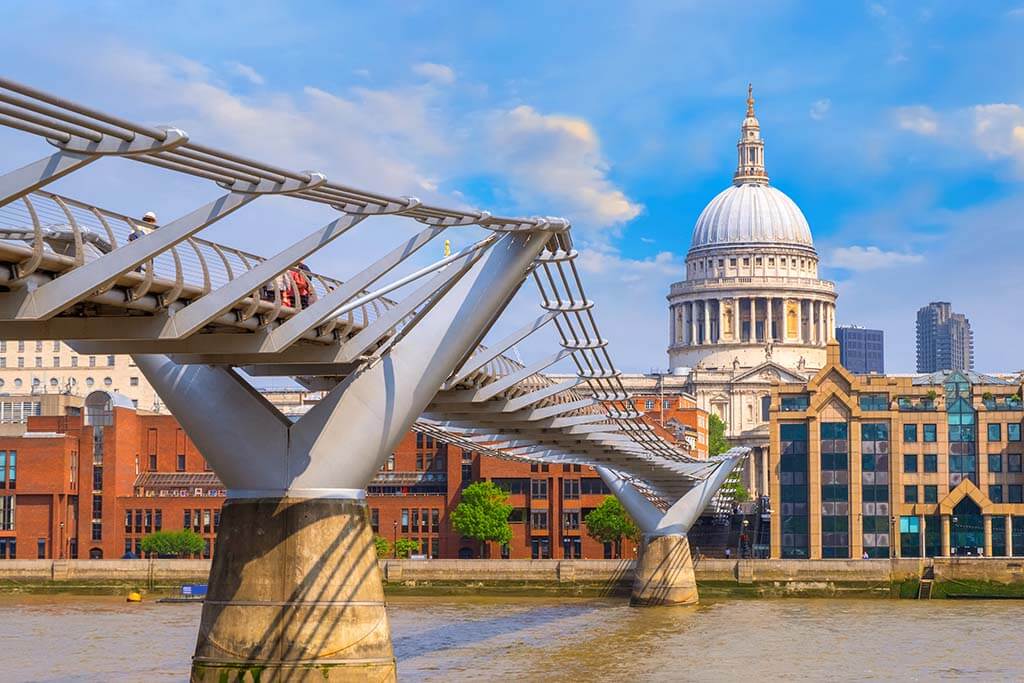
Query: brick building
{"points": [[91, 482], [89, 478]]}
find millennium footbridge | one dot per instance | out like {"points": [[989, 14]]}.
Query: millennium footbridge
{"points": [[295, 589]]}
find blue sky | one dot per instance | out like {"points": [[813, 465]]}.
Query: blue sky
{"points": [[897, 127]]}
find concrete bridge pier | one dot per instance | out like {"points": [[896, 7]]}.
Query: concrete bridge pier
{"points": [[295, 593], [664, 569]]}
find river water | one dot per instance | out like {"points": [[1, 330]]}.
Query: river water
{"points": [[62, 638]]}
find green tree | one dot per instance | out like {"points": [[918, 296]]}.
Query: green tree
{"points": [[383, 547], [483, 514], [173, 543], [404, 547], [717, 443], [609, 522]]}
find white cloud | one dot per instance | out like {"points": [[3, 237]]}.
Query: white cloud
{"points": [[603, 261], [996, 129], [820, 109], [438, 73], [999, 131], [917, 119], [551, 159], [876, 9], [870, 258], [247, 72]]}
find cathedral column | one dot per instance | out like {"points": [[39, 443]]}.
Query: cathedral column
{"points": [[693, 323], [753, 319], [707, 322]]}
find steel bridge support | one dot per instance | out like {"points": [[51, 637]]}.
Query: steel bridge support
{"points": [[664, 567], [295, 593]]}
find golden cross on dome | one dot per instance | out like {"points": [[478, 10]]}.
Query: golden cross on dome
{"points": [[750, 99]]}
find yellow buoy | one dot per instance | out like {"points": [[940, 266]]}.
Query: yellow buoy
{"points": [[134, 596]]}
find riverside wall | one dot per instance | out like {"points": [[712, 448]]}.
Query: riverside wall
{"points": [[953, 577]]}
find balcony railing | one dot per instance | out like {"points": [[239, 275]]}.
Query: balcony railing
{"points": [[741, 280]]}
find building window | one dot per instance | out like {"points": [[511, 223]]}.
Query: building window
{"points": [[512, 486], [910, 463], [593, 486], [133, 381], [995, 493], [571, 521], [110, 361], [649, 404], [995, 432], [794, 403], [152, 462], [74, 361], [539, 520], [995, 462], [180, 464], [794, 491], [1013, 432], [540, 548], [930, 435], [7, 514], [56, 361], [835, 490], [539, 489], [1015, 493], [97, 530], [571, 489], [405, 521], [92, 361], [875, 488], [910, 494], [874, 401], [931, 493], [910, 433], [1012, 462], [910, 536], [41, 549]]}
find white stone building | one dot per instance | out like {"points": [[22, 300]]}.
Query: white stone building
{"points": [[752, 308], [53, 367]]}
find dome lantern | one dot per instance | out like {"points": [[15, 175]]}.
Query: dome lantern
{"points": [[750, 148]]}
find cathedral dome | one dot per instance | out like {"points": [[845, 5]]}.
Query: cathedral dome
{"points": [[751, 213]]}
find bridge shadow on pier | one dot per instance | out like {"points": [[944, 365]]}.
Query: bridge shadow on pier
{"points": [[346, 570]]}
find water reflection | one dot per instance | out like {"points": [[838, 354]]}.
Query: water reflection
{"points": [[63, 638]]}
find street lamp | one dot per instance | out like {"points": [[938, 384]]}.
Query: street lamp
{"points": [[744, 539], [394, 544]]}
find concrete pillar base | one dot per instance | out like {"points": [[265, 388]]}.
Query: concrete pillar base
{"points": [[295, 595], [664, 573]]}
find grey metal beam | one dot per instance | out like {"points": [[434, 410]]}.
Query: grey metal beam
{"points": [[78, 283], [209, 307], [484, 357]]}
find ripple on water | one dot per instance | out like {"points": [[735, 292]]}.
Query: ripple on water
{"points": [[64, 638]]}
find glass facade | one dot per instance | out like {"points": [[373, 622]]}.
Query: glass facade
{"points": [[963, 460], [874, 438], [835, 490], [794, 491]]}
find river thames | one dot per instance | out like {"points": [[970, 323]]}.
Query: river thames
{"points": [[62, 638]]}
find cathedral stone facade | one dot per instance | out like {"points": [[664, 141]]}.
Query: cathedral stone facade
{"points": [[752, 309]]}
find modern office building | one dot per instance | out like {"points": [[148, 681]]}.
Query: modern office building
{"points": [[903, 466], [861, 351], [944, 339]]}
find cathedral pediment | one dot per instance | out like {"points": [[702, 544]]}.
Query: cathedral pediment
{"points": [[769, 372]]}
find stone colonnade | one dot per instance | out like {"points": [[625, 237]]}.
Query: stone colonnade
{"points": [[752, 319]]}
